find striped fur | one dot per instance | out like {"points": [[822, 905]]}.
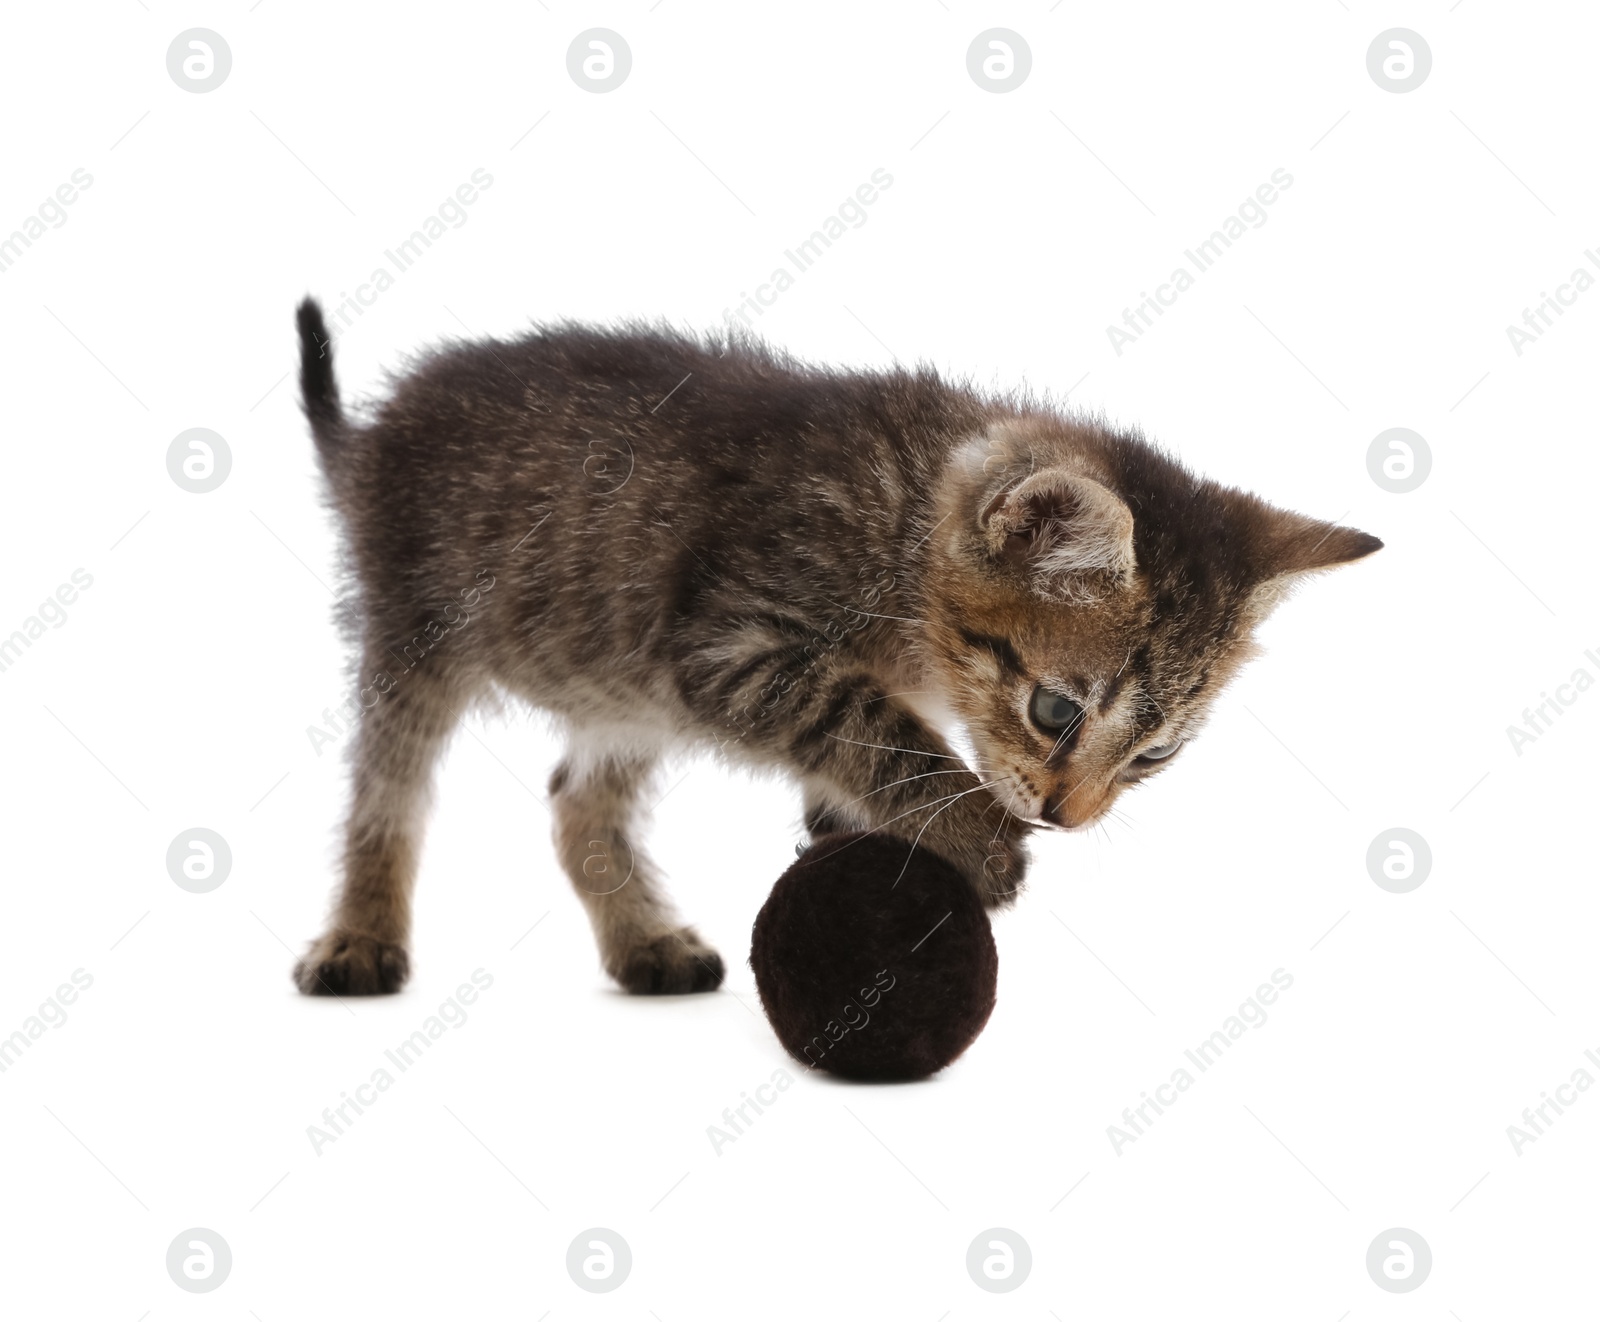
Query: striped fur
{"points": [[667, 541]]}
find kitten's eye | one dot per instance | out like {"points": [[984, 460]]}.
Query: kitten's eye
{"points": [[1052, 712], [1160, 753]]}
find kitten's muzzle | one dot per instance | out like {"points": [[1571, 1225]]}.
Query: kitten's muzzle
{"points": [[1074, 809]]}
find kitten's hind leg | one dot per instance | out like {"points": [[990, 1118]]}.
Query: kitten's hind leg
{"points": [[363, 952], [642, 943]]}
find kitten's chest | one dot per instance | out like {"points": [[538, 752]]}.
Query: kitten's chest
{"points": [[916, 687]]}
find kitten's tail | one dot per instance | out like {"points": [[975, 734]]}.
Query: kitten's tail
{"points": [[319, 392]]}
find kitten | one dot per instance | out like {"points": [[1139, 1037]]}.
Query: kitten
{"points": [[665, 541]]}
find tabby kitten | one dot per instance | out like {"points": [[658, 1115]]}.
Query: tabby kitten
{"points": [[665, 541]]}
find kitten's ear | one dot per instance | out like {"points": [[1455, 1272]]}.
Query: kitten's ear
{"points": [[1073, 535], [1293, 545]]}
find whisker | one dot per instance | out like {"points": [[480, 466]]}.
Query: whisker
{"points": [[856, 610], [889, 748], [1081, 780], [951, 771], [1067, 733], [995, 838], [946, 799], [1150, 698], [925, 827], [1004, 810]]}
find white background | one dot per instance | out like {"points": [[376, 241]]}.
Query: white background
{"points": [[179, 690]]}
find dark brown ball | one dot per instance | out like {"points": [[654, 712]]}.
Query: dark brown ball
{"points": [[874, 959]]}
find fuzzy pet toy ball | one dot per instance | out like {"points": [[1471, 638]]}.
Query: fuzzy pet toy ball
{"points": [[874, 959]]}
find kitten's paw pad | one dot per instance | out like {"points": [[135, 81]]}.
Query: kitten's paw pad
{"points": [[670, 964], [350, 964]]}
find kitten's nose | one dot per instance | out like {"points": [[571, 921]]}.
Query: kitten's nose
{"points": [[1076, 807]]}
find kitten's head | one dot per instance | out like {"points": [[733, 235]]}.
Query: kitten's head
{"points": [[1087, 598]]}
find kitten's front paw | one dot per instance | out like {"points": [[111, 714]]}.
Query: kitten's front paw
{"points": [[1004, 868], [352, 964], [990, 850], [668, 964]]}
